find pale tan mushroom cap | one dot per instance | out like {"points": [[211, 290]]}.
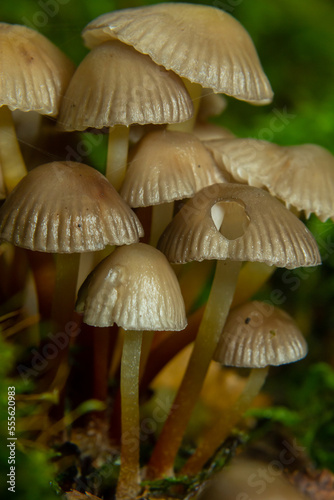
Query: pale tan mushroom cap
{"points": [[206, 131], [136, 288], [211, 105], [116, 85], [67, 207], [203, 44], [257, 334], [34, 72], [301, 176], [257, 227], [168, 166]]}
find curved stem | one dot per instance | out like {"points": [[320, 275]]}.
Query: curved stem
{"points": [[221, 429], [195, 92], [11, 160], [216, 311], [118, 145], [129, 478], [161, 216]]}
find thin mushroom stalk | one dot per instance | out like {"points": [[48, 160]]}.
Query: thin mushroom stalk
{"points": [[217, 308], [129, 476], [11, 160], [118, 145], [222, 427]]}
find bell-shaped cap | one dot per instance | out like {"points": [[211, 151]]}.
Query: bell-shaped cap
{"points": [[67, 207], [301, 176], [136, 288], [167, 166], [201, 43], [211, 105], [116, 85], [240, 223], [258, 334], [34, 72]]}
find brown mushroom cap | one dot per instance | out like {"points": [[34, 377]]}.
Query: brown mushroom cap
{"points": [[116, 85], [167, 166], [258, 334], [241, 223], [301, 176], [34, 72], [203, 44], [67, 207], [136, 288]]}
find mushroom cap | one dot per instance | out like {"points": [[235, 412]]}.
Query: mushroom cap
{"points": [[301, 176], [136, 288], [203, 44], [34, 72], [67, 207], [211, 105], [257, 334], [116, 85], [240, 223], [167, 166], [209, 132]]}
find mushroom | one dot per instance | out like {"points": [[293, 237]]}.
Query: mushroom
{"points": [[204, 45], [167, 166], [66, 208], [256, 335], [116, 86], [135, 288], [34, 75], [231, 223]]}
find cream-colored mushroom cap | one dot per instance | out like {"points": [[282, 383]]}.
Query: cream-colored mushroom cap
{"points": [[136, 288], [206, 131], [301, 176], [116, 85], [258, 334], [34, 72], [211, 105], [240, 223], [67, 207], [203, 44], [167, 166]]}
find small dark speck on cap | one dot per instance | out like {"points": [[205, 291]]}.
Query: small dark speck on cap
{"points": [[247, 320]]}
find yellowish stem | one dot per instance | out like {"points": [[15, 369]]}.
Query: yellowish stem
{"points": [[216, 311], [195, 92], [117, 158], [145, 351], [161, 217], [129, 476], [67, 266], [221, 429], [252, 277], [11, 160]]}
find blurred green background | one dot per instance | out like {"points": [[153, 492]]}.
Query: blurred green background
{"points": [[295, 42]]}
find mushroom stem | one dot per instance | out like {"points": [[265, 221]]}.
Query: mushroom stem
{"points": [[251, 277], [117, 158], [129, 476], [195, 92], [145, 351], [216, 311], [67, 267], [221, 429], [11, 160], [161, 217]]}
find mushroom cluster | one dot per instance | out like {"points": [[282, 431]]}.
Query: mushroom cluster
{"points": [[152, 78]]}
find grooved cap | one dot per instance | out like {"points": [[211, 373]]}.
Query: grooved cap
{"points": [[241, 223], [34, 72], [116, 85], [257, 334], [67, 207], [136, 288], [167, 166], [301, 176], [203, 44]]}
